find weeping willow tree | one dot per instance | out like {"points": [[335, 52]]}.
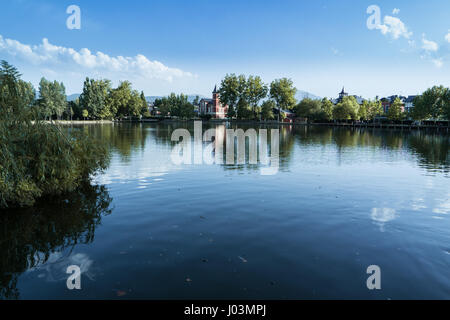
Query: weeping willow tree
{"points": [[36, 158]]}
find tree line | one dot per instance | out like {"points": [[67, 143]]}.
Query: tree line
{"points": [[98, 101], [250, 98], [434, 103], [176, 106], [247, 98], [243, 96]]}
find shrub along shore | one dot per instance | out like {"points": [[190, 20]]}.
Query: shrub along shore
{"points": [[37, 158]]}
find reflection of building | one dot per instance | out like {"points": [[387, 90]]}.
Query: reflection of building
{"points": [[213, 107], [344, 94]]}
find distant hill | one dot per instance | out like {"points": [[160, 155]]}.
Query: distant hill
{"points": [[304, 94]]}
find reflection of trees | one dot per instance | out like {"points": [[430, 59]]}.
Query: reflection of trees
{"points": [[287, 142], [124, 138], [29, 236], [432, 149], [286, 146]]}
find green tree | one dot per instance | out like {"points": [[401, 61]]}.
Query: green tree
{"points": [[175, 106], [395, 111], [363, 111], [256, 91], [135, 104], [177, 103], [446, 104], [229, 93], [76, 108], [163, 106], [144, 107], [95, 98], [36, 158], [9, 88], [122, 101], [27, 93], [327, 109], [85, 114], [433, 103], [374, 109], [187, 110], [309, 108], [243, 110], [283, 92], [69, 112], [346, 109], [267, 109], [52, 98]]}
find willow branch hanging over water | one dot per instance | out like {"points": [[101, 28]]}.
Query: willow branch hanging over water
{"points": [[36, 158]]}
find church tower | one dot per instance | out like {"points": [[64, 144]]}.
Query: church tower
{"points": [[215, 97], [215, 94], [343, 94]]}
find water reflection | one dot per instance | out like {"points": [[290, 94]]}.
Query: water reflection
{"points": [[381, 216], [29, 238], [338, 192], [430, 149]]}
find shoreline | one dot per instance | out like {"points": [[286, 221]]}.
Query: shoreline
{"points": [[66, 122], [275, 123]]}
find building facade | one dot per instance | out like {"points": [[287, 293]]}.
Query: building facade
{"points": [[409, 103], [213, 107]]}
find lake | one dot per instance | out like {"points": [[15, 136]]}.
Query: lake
{"points": [[341, 200]]}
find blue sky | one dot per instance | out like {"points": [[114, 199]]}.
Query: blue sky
{"points": [[188, 46]]}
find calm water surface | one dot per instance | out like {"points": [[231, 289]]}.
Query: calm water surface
{"points": [[342, 200]]}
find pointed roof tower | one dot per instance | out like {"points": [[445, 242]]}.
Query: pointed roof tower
{"points": [[215, 89]]}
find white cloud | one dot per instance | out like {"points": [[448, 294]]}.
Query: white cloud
{"points": [[394, 27], [447, 37], [438, 62], [46, 55], [429, 45], [396, 11]]}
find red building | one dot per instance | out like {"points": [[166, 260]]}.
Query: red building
{"points": [[387, 102], [213, 107]]}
